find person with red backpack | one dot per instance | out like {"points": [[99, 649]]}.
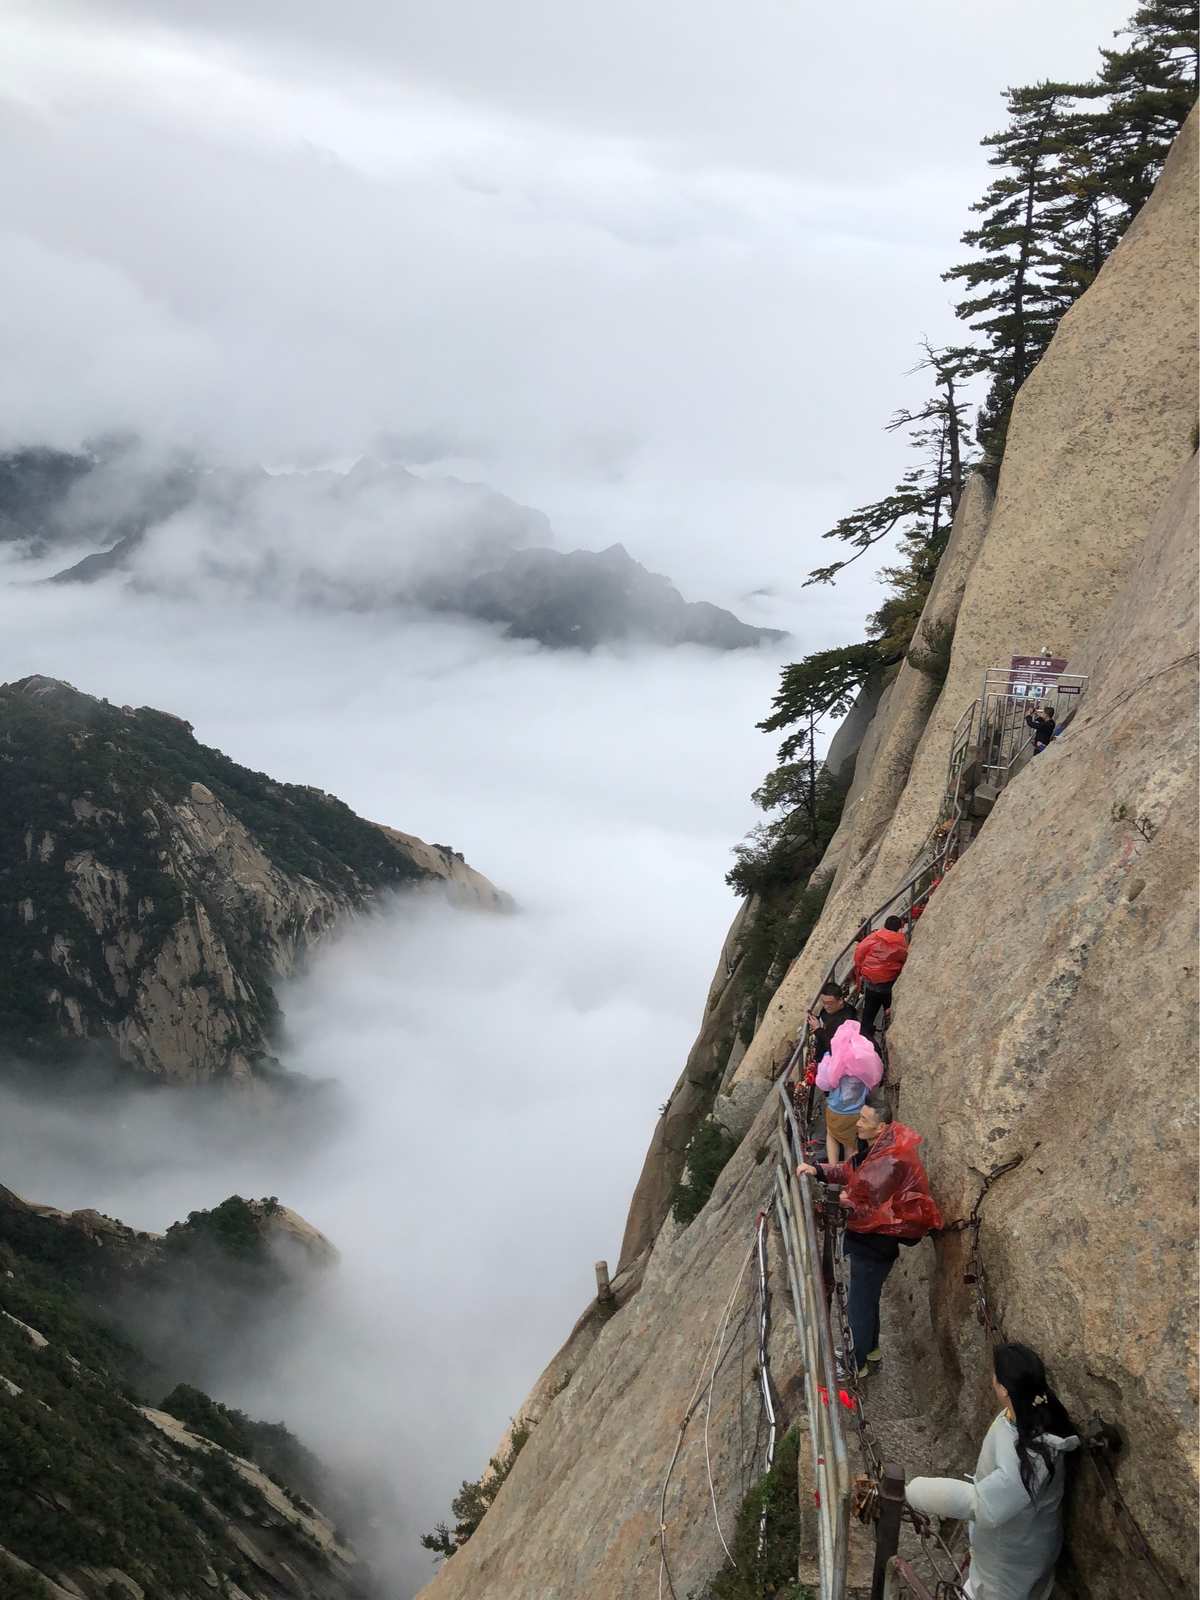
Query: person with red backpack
{"points": [[878, 960], [886, 1190]]}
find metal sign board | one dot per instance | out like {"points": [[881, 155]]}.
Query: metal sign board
{"points": [[1030, 677]]}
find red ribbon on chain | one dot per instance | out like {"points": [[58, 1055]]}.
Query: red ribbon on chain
{"points": [[843, 1395]]}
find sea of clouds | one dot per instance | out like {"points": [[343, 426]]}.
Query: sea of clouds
{"points": [[495, 1078]]}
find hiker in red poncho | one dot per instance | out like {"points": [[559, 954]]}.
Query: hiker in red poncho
{"points": [[887, 1192], [877, 962]]}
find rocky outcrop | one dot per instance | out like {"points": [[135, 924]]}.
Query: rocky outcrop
{"points": [[152, 891], [889, 743], [103, 1494], [842, 754], [1044, 1013], [589, 597], [462, 884], [714, 1055]]}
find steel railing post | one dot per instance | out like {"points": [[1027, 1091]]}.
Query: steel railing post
{"points": [[887, 1528]]}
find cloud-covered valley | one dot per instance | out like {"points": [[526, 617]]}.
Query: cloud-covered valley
{"points": [[494, 1079]]}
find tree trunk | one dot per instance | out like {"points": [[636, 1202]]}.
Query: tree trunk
{"points": [[955, 442]]}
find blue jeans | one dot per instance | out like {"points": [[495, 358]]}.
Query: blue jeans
{"points": [[868, 1273]]}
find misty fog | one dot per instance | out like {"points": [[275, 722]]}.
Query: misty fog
{"points": [[497, 1077], [658, 274]]}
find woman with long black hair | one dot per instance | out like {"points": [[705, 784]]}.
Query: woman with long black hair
{"points": [[1014, 1501]]}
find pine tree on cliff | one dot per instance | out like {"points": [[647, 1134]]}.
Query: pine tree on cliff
{"points": [[1087, 217], [1014, 292], [1150, 87], [923, 503]]}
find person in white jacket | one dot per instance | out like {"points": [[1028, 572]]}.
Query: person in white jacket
{"points": [[1014, 1502]]}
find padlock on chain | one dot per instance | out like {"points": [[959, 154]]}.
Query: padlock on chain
{"points": [[864, 1500]]}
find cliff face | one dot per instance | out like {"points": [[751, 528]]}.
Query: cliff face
{"points": [[1045, 1013], [1097, 435], [151, 890], [102, 1494]]}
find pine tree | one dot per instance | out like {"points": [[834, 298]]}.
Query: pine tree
{"points": [[1150, 87], [1015, 297], [922, 505], [943, 439], [1086, 215]]}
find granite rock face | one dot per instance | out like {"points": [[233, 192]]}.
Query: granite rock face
{"points": [[1047, 1012], [151, 890], [1052, 985]]}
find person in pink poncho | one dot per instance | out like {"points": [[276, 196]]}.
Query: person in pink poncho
{"points": [[846, 1076]]}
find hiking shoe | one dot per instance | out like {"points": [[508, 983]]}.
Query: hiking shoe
{"points": [[875, 1358], [847, 1372]]}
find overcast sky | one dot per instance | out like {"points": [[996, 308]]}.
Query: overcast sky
{"points": [[656, 267], [659, 267]]}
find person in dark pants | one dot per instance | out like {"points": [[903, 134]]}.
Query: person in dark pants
{"points": [[1043, 728], [872, 1254], [832, 1010], [878, 960]]}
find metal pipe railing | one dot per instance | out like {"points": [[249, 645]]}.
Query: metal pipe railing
{"points": [[991, 732], [829, 1465]]}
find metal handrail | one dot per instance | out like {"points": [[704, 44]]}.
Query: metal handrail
{"points": [[829, 1462], [912, 887], [901, 1580]]}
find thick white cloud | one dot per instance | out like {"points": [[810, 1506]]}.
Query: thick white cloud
{"points": [[497, 1077]]}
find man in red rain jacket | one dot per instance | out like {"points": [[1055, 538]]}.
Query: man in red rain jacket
{"points": [[877, 962], [887, 1194]]}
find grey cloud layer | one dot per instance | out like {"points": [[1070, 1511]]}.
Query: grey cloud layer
{"points": [[668, 244]]}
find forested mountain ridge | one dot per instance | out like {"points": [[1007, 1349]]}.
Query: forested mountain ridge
{"points": [[376, 537], [152, 890], [118, 1482]]}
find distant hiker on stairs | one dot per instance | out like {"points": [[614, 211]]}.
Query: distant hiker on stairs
{"points": [[1043, 728], [887, 1194], [878, 960]]}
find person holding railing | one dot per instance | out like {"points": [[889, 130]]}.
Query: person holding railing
{"points": [[878, 960], [1013, 1504], [887, 1194]]}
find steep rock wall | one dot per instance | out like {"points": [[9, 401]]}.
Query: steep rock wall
{"points": [[1048, 1003], [1097, 434], [691, 1098], [1027, 1022]]}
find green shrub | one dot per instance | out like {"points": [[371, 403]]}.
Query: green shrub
{"points": [[771, 1576], [708, 1152], [231, 1229], [470, 1505], [930, 650]]}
